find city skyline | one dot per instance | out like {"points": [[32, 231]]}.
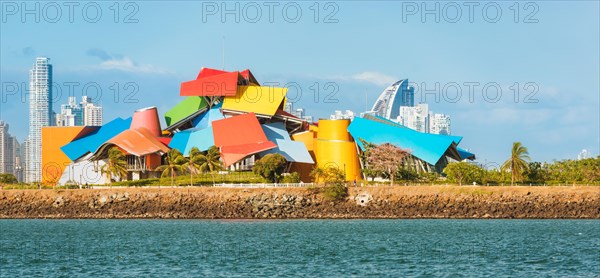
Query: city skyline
{"points": [[132, 69]]}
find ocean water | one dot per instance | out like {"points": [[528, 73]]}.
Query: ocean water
{"points": [[324, 248]]}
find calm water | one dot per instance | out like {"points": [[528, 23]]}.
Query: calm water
{"points": [[311, 248]]}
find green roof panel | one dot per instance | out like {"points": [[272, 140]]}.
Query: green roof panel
{"points": [[186, 108]]}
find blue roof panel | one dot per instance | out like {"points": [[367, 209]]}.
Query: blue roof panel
{"points": [[428, 147], [293, 151], [94, 140], [276, 130], [465, 154], [185, 140], [205, 119]]}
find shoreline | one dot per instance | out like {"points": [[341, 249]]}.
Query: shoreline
{"points": [[382, 202]]}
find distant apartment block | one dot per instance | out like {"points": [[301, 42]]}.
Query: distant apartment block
{"points": [[439, 124], [92, 113], [73, 114], [339, 115], [10, 153]]}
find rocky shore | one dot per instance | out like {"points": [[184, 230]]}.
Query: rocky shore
{"points": [[267, 203]]}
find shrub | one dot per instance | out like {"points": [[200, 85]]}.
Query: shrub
{"points": [[293, 177], [336, 191], [7, 178]]}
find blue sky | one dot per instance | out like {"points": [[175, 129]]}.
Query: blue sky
{"points": [[363, 47]]}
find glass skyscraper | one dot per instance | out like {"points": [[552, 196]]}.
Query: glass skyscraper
{"points": [[396, 95], [40, 115]]}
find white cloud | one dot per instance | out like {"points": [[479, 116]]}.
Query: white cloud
{"points": [[375, 78], [372, 77], [128, 65]]}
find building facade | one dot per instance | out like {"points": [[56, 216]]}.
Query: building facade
{"points": [[415, 117], [388, 103], [84, 114], [339, 115], [40, 115], [439, 124], [92, 113], [7, 156]]}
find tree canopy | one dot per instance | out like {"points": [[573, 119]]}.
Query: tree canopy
{"points": [[270, 167]]}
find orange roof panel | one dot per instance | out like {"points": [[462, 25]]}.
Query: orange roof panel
{"points": [[138, 142], [238, 130], [233, 154]]}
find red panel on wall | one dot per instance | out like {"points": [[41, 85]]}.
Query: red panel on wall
{"points": [[238, 130], [224, 84]]}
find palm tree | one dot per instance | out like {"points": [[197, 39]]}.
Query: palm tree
{"points": [[193, 162], [517, 163], [115, 166], [210, 161], [173, 163]]}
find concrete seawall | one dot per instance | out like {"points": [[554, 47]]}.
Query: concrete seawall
{"points": [[281, 203]]}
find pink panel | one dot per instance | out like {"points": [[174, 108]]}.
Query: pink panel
{"points": [[147, 118]]}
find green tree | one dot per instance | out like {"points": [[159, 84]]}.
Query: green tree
{"points": [[463, 172], [116, 165], [429, 177], [7, 178], [174, 161], [406, 174], [210, 161], [203, 161], [536, 172], [270, 167], [192, 163], [387, 158], [517, 163]]}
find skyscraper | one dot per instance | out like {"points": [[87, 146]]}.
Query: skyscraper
{"points": [[40, 115], [396, 95], [415, 117], [71, 114], [92, 114], [7, 156], [440, 124]]}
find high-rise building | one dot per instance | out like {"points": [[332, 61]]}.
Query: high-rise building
{"points": [[388, 103], [71, 114], [584, 154], [92, 113], [288, 107], [338, 115], [415, 117], [439, 124], [25, 158], [299, 112], [18, 158], [40, 115], [7, 155]]}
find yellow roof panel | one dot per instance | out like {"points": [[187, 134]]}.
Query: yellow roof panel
{"points": [[257, 99]]}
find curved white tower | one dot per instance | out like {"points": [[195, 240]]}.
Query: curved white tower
{"points": [[396, 95]]}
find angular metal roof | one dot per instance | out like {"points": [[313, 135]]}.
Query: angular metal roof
{"points": [[257, 99], [293, 151], [185, 110], [138, 142], [428, 147], [91, 142], [185, 140]]}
